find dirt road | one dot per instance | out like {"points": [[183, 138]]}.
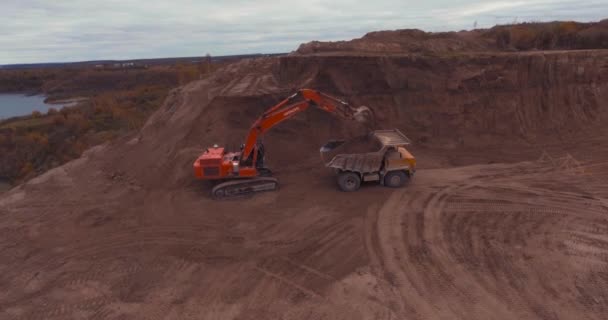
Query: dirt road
{"points": [[502, 241], [498, 242]]}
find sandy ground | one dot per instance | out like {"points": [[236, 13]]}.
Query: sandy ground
{"points": [[502, 230], [502, 241]]}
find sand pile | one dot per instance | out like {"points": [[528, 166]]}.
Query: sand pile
{"points": [[460, 102], [361, 144], [400, 41], [126, 233], [520, 37]]}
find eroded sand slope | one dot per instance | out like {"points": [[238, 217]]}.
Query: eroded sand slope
{"points": [[507, 217]]}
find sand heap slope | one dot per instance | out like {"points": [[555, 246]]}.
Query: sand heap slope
{"points": [[125, 232], [466, 102], [520, 37]]}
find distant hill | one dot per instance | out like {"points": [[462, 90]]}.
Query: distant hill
{"points": [[557, 35], [157, 61]]}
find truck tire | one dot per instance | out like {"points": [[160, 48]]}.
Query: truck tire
{"points": [[349, 181], [395, 179]]}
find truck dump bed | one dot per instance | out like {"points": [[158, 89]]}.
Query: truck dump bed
{"points": [[362, 162], [367, 162]]}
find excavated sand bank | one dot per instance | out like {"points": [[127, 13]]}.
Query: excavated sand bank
{"points": [[506, 218]]}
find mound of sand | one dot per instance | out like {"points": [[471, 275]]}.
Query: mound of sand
{"points": [[361, 144], [476, 102], [126, 232], [519, 37], [400, 41]]}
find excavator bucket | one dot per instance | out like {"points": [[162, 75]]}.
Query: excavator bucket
{"points": [[365, 115], [326, 150], [331, 145]]}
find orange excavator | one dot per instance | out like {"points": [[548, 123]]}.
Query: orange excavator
{"points": [[243, 172]]}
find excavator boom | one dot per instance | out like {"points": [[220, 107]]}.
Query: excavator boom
{"points": [[287, 108]]}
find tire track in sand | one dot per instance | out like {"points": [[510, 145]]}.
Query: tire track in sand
{"points": [[500, 223], [428, 281]]}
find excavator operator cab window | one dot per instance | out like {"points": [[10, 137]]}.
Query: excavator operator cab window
{"points": [[260, 158], [258, 151]]}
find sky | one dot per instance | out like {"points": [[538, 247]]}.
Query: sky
{"points": [[61, 30]]}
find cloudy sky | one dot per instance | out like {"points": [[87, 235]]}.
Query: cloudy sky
{"points": [[63, 30]]}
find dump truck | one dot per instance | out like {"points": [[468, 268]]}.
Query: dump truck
{"points": [[391, 164]]}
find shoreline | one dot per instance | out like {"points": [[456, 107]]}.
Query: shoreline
{"points": [[49, 102], [5, 187], [28, 93], [65, 101]]}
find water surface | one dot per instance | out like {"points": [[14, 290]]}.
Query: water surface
{"points": [[13, 105]]}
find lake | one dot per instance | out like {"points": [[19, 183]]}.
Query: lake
{"points": [[13, 105]]}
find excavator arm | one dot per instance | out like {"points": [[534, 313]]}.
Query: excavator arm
{"points": [[289, 107]]}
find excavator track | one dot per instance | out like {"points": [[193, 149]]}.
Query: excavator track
{"points": [[244, 187]]}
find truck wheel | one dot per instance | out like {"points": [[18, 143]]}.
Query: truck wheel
{"points": [[349, 181], [395, 179]]}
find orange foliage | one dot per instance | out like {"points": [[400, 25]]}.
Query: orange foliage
{"points": [[187, 73], [550, 36], [569, 27], [27, 168], [58, 120], [523, 37], [37, 138], [118, 101]]}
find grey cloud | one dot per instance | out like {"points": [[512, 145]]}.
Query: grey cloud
{"points": [[63, 30]]}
